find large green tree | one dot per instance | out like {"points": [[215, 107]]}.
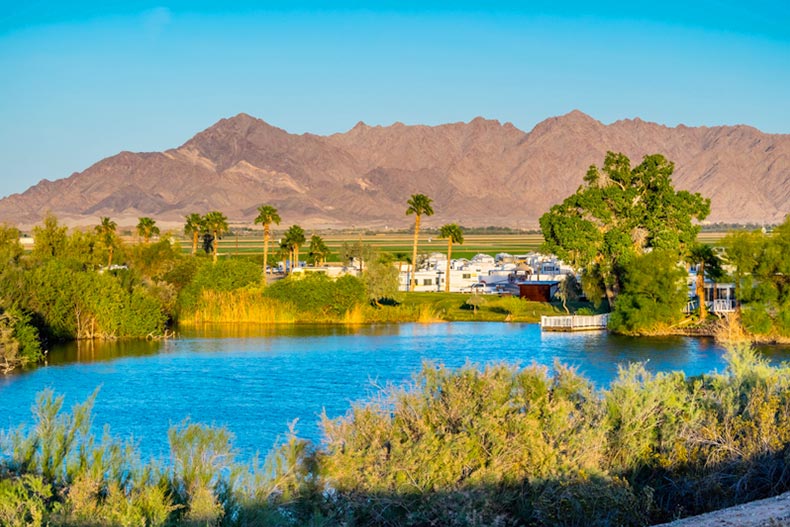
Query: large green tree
{"points": [[381, 279], [453, 233], [49, 239], [619, 213], [108, 237], [267, 215], [419, 205], [217, 224], [146, 228], [194, 227], [10, 248]]}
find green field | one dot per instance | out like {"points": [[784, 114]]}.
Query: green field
{"points": [[400, 244]]}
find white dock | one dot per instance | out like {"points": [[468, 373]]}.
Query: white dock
{"points": [[574, 322]]}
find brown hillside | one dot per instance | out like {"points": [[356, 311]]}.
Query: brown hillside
{"points": [[478, 173]]}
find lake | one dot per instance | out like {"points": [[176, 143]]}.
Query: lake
{"points": [[257, 380]]}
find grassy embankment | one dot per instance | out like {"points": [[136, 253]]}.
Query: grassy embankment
{"points": [[252, 306]]}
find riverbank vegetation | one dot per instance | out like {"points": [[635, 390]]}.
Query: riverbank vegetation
{"points": [[493, 445]]}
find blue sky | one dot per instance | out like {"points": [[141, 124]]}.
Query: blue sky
{"points": [[82, 81]]}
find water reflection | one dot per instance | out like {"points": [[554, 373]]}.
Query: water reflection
{"points": [[86, 351]]}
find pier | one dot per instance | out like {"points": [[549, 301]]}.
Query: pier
{"points": [[574, 322]]}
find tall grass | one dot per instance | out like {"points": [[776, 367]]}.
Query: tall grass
{"points": [[237, 306]]}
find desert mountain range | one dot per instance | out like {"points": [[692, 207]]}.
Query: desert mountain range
{"points": [[478, 173]]}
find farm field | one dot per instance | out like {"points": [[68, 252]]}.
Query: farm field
{"points": [[400, 244]]}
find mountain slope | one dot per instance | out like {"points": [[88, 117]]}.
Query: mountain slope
{"points": [[478, 173]]}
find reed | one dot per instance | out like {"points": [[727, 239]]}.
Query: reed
{"points": [[355, 315], [428, 315], [237, 306]]}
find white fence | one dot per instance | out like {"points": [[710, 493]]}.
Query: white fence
{"points": [[574, 322]]}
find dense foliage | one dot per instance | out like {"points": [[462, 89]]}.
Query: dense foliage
{"points": [[19, 344], [654, 294], [761, 270], [316, 293], [619, 213], [62, 291], [499, 445]]}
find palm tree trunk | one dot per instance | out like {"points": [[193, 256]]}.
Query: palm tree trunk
{"points": [[109, 257], [265, 247], [216, 246], [412, 280], [296, 256], [195, 236], [449, 255], [703, 309]]}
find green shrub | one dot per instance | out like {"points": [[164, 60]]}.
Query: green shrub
{"points": [[316, 293], [224, 275], [756, 319], [19, 343]]}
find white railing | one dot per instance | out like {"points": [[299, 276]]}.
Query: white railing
{"points": [[722, 305], [574, 322]]}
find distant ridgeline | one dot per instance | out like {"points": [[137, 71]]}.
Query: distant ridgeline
{"points": [[479, 173]]}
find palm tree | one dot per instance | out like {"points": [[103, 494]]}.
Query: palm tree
{"points": [[454, 234], [419, 204], [283, 253], [216, 223], [294, 238], [106, 231], [146, 228], [318, 250], [194, 226], [267, 215]]}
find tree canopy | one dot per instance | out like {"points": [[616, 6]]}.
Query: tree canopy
{"points": [[619, 213], [761, 271], [106, 231], [194, 226], [318, 250], [216, 223], [146, 228]]}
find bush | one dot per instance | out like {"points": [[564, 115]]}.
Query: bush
{"points": [[19, 344], [317, 294], [75, 304], [224, 275]]}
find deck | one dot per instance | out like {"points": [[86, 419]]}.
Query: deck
{"points": [[574, 322]]}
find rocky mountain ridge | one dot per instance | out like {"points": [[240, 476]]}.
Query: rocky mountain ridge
{"points": [[478, 173]]}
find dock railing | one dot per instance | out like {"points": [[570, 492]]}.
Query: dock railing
{"points": [[574, 322]]}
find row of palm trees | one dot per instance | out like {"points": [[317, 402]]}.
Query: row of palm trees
{"points": [[107, 233], [420, 205], [215, 224]]}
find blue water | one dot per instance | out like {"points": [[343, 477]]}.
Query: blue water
{"points": [[257, 381]]}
